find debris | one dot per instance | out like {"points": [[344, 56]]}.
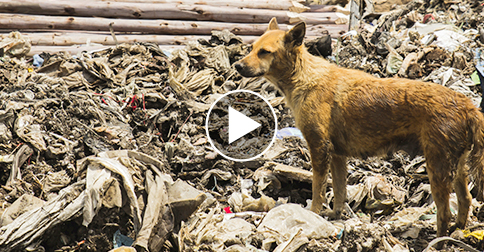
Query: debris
{"points": [[320, 46], [286, 220], [362, 236], [54, 182], [445, 238], [479, 234], [107, 148], [292, 173], [15, 44], [123, 249], [395, 61], [290, 131], [38, 61], [20, 206], [120, 240], [62, 208], [241, 202]]}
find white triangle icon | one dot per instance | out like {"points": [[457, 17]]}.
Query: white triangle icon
{"points": [[240, 125]]}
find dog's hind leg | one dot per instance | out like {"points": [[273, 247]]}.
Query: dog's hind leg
{"points": [[338, 173], [464, 197], [439, 171], [320, 173]]}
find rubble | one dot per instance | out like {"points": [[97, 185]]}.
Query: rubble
{"points": [[106, 150]]}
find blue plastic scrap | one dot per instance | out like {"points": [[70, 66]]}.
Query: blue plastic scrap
{"points": [[480, 73], [38, 61], [289, 131], [120, 240]]}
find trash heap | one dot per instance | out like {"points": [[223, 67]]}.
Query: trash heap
{"points": [[438, 41], [107, 149]]}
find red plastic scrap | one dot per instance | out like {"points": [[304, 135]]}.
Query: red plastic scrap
{"points": [[132, 104], [427, 18], [144, 108]]}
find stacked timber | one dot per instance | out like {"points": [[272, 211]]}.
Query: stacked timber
{"points": [[54, 25]]}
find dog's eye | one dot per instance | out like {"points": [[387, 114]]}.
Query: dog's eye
{"points": [[263, 52]]}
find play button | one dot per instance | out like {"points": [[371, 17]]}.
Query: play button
{"points": [[241, 125]]}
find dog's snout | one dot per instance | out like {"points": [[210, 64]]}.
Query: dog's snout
{"points": [[238, 66], [246, 71]]}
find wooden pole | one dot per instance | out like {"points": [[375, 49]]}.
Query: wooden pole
{"points": [[169, 11], [82, 38], [253, 4], [78, 38]]}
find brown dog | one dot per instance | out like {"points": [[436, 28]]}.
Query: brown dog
{"points": [[348, 113]]}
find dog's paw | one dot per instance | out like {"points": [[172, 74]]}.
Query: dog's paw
{"points": [[332, 215], [452, 228]]}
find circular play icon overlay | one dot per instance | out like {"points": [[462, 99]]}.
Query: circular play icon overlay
{"points": [[241, 125]]}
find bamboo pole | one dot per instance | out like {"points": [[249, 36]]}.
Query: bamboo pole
{"points": [[20, 21], [169, 11]]}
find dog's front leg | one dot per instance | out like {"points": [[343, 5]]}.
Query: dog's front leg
{"points": [[320, 160]]}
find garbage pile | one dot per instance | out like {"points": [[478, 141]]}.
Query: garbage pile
{"points": [[107, 149], [439, 41]]}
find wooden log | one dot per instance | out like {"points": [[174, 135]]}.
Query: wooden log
{"points": [[69, 39], [80, 39], [336, 18], [96, 9], [4, 31], [334, 30], [77, 38], [292, 173], [238, 15], [253, 4], [20, 21], [169, 11], [328, 8]]}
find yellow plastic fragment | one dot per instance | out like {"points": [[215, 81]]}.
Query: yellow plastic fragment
{"points": [[479, 234]]}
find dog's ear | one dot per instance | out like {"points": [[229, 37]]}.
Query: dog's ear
{"points": [[295, 36], [273, 24]]}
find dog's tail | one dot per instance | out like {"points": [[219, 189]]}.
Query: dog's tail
{"points": [[476, 156]]}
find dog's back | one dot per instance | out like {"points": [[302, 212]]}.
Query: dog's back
{"points": [[380, 116]]}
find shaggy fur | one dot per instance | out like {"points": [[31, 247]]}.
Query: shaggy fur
{"points": [[348, 113]]}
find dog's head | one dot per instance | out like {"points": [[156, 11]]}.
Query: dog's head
{"points": [[270, 52]]}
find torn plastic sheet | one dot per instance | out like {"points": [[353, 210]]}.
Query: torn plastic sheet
{"points": [[288, 218], [31, 225], [96, 177], [128, 183], [156, 187]]}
